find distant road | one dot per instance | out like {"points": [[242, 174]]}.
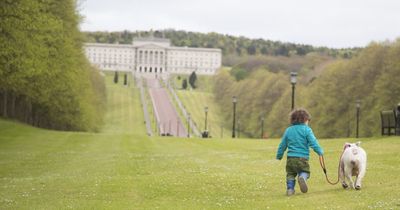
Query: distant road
{"points": [[166, 114]]}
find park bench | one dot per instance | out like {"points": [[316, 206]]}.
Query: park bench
{"points": [[388, 118]]}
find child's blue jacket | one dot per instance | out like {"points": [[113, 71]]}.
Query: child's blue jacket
{"points": [[297, 139]]}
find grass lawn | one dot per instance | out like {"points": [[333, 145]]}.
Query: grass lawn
{"points": [[204, 83], [122, 168], [194, 102]]}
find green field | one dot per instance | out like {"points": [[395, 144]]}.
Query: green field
{"points": [[122, 168], [203, 83], [194, 102]]}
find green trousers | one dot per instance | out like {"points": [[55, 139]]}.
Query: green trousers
{"points": [[295, 166]]}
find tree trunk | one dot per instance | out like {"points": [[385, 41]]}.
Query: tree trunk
{"points": [[28, 118], [5, 104], [13, 99], [35, 116]]}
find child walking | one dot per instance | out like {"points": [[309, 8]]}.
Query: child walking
{"points": [[297, 138]]}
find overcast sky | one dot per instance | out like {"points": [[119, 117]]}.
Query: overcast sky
{"points": [[331, 23]]}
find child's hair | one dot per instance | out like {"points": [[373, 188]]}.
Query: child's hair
{"points": [[299, 116]]}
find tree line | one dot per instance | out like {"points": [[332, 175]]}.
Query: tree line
{"points": [[372, 77], [232, 46], [45, 78]]}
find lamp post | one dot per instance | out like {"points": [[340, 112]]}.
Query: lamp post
{"points": [[262, 127], [293, 80], [358, 105], [205, 133], [397, 131], [238, 129], [234, 101]]}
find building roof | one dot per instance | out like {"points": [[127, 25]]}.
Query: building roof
{"points": [[108, 45], [195, 49], [151, 39], [153, 42]]}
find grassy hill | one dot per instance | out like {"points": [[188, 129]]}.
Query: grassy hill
{"points": [[195, 100], [124, 112], [122, 168]]}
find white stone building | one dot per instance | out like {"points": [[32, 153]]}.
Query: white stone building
{"points": [[153, 56]]}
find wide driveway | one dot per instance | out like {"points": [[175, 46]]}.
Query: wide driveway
{"points": [[166, 114]]}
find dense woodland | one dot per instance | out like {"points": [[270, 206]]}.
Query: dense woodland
{"points": [[233, 48], [45, 79], [329, 92]]}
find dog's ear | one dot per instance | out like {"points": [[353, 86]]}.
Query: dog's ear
{"points": [[347, 144], [358, 143]]}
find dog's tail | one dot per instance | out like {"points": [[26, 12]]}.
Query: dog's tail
{"points": [[354, 162]]}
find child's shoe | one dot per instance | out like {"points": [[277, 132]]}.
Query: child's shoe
{"points": [[290, 192], [290, 187], [303, 184]]}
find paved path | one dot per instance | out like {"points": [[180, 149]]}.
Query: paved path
{"points": [[166, 115]]}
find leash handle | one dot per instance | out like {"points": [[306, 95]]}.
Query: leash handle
{"points": [[322, 163]]}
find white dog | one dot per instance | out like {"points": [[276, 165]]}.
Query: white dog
{"points": [[353, 163]]}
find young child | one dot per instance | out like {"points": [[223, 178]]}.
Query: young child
{"points": [[297, 138]]}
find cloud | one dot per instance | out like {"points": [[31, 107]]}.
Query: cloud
{"points": [[336, 23]]}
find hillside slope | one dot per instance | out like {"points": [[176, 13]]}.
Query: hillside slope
{"points": [[122, 168]]}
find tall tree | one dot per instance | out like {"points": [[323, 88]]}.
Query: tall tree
{"points": [[45, 79], [193, 79], [125, 79], [184, 84], [116, 77], [330, 96]]}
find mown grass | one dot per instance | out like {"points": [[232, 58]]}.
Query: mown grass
{"points": [[122, 168], [195, 102], [204, 83], [124, 113]]}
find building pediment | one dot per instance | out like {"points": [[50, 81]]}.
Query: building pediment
{"points": [[150, 46]]}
